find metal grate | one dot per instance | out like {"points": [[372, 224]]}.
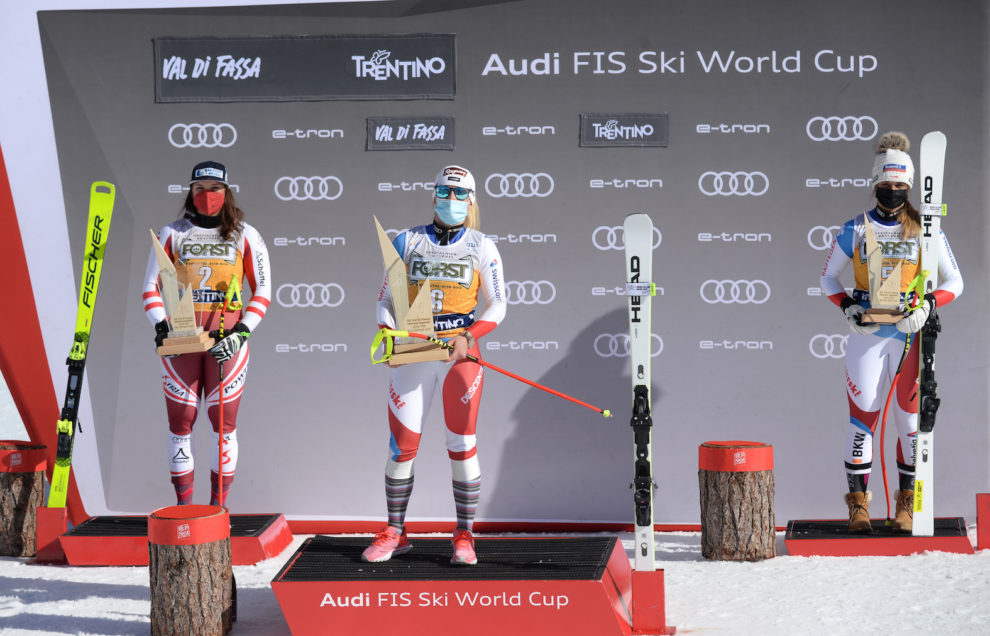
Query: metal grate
{"points": [[324, 558], [240, 526], [839, 529]]}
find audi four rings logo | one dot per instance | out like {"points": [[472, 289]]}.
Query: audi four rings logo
{"points": [[739, 184], [828, 345], [613, 237], [616, 345], [842, 128], [530, 292], [512, 185], [202, 135], [820, 236], [310, 295], [308, 188], [744, 292]]}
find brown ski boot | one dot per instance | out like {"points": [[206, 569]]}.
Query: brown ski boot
{"points": [[859, 512], [904, 515]]}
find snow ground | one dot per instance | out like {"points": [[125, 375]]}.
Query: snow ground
{"points": [[840, 596]]}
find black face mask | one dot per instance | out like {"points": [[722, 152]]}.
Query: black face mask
{"points": [[891, 198]]}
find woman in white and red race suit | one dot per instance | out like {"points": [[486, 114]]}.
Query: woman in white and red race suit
{"points": [[874, 351], [210, 246], [460, 262]]}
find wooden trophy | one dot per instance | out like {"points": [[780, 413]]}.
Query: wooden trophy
{"points": [[184, 335], [417, 317], [885, 293]]}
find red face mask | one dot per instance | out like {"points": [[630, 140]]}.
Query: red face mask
{"points": [[209, 202]]}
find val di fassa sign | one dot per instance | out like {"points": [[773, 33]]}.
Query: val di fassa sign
{"points": [[432, 599], [282, 68], [680, 63]]}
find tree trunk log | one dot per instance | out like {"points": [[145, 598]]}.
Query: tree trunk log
{"points": [[192, 586], [737, 512], [22, 490]]}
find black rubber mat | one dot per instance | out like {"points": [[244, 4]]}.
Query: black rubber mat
{"points": [[839, 529], [106, 526], [323, 558]]}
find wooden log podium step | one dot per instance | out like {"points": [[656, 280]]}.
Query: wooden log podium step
{"points": [[22, 491], [192, 582], [737, 507]]}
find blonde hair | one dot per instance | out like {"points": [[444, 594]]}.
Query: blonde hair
{"points": [[473, 220]]}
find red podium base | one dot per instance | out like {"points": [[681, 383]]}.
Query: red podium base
{"points": [[832, 538], [124, 540], [519, 586]]}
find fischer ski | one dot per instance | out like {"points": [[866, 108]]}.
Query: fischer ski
{"points": [[638, 232], [101, 198], [932, 209]]}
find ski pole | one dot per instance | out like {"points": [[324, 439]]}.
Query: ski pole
{"points": [[385, 337]]}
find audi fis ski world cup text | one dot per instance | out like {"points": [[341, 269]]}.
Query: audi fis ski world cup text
{"points": [[679, 63], [374, 600]]}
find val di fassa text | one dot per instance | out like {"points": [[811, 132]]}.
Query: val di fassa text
{"points": [[661, 62]]}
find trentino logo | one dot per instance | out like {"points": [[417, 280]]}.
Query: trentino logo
{"points": [[379, 66]]}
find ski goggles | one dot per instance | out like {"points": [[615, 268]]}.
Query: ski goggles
{"points": [[443, 192]]}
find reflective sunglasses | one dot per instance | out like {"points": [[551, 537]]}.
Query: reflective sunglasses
{"points": [[444, 191]]}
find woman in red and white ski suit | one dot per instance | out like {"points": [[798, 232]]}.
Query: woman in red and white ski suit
{"points": [[210, 247], [460, 262], [873, 352]]}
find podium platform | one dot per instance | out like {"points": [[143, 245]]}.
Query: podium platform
{"points": [[108, 540], [832, 538], [519, 586]]}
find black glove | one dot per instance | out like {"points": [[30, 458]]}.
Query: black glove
{"points": [[232, 341]]}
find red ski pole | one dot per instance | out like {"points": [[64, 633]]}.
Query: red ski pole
{"points": [[387, 336]]}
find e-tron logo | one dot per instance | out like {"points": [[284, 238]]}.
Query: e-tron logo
{"points": [[308, 188], [221, 135], [739, 184], [820, 236], [616, 345], [310, 295], [613, 237], [512, 185], [842, 128], [743, 292], [530, 292], [828, 345]]}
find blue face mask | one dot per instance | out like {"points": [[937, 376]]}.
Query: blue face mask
{"points": [[451, 212]]}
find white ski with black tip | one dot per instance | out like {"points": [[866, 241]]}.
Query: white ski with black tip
{"points": [[638, 236]]}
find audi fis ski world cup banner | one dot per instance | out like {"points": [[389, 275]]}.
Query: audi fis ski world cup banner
{"points": [[304, 68], [748, 146]]}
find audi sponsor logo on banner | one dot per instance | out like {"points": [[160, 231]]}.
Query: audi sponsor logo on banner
{"points": [[533, 130], [522, 345], [734, 345], [641, 184], [530, 292], [612, 237], [842, 128], [523, 238], [824, 345], [209, 135], [526, 184], [616, 345], [311, 348], [310, 295], [406, 186], [743, 292], [409, 133], [600, 130], [306, 241], [821, 236], [837, 182], [309, 133], [308, 188], [738, 184], [731, 129], [734, 237], [381, 66]]}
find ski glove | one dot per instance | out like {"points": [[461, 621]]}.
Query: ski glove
{"points": [[915, 320], [161, 332], [231, 344], [854, 311]]}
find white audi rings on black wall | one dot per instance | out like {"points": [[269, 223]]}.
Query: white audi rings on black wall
{"points": [[606, 237], [743, 292], [529, 292], [526, 184], [208, 135], [308, 188], [846, 128], [825, 345], [310, 295], [728, 184], [616, 345]]}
